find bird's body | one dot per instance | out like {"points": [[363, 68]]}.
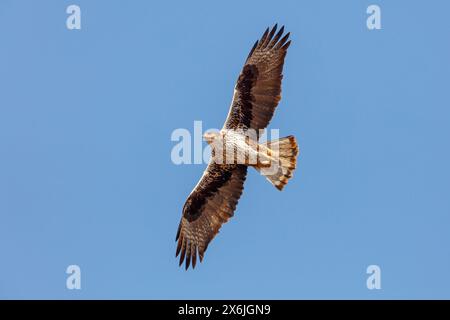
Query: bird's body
{"points": [[236, 147]]}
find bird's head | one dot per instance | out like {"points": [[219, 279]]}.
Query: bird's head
{"points": [[210, 136]]}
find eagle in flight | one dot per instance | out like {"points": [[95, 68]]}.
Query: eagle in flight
{"points": [[214, 198]]}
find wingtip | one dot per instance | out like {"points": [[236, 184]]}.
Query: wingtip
{"points": [[264, 36], [282, 43], [275, 27], [183, 253], [286, 45]]}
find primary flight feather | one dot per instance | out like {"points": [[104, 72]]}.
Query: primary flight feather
{"points": [[256, 95]]}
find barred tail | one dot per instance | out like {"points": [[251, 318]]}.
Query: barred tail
{"points": [[284, 153]]}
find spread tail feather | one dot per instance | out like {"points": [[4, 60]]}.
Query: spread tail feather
{"points": [[284, 153]]}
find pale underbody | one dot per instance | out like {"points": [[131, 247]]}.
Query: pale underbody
{"points": [[238, 147]]}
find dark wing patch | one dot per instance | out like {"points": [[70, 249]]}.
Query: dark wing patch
{"points": [[258, 88], [208, 206]]}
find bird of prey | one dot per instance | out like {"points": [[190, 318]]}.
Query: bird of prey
{"points": [[256, 95]]}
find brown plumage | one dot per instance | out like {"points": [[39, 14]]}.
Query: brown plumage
{"points": [[258, 88], [214, 199], [210, 205]]}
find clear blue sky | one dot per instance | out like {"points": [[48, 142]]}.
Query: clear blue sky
{"points": [[86, 176]]}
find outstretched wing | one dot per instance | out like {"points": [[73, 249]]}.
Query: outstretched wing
{"points": [[210, 204], [258, 88]]}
